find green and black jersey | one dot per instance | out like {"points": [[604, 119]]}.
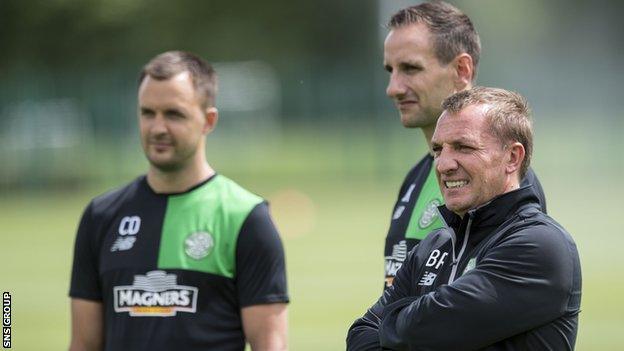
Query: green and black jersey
{"points": [[174, 270], [415, 213]]}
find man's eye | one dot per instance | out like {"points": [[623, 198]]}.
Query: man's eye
{"points": [[174, 114], [412, 69], [147, 113]]}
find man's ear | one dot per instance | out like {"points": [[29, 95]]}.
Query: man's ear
{"points": [[515, 157], [211, 116], [464, 71]]}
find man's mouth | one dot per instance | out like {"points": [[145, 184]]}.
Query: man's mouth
{"points": [[160, 142], [160, 146], [454, 184], [407, 103]]}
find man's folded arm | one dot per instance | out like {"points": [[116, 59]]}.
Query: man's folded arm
{"points": [[519, 285], [364, 333]]}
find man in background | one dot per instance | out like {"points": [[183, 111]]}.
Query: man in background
{"points": [[431, 52], [181, 258], [500, 274]]}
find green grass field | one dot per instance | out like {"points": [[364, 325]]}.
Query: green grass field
{"points": [[332, 202]]}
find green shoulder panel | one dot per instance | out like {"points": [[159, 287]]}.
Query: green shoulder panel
{"points": [[425, 218], [201, 227]]}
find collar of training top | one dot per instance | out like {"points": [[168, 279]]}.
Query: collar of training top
{"points": [[494, 212]]}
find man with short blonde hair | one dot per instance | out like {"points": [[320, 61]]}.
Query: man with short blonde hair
{"points": [[507, 115], [499, 274]]}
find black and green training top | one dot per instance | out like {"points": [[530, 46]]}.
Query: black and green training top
{"points": [[174, 270]]}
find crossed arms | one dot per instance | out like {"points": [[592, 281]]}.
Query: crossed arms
{"points": [[522, 283]]}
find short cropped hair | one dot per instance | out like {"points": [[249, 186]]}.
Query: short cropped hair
{"points": [[508, 116], [452, 31], [172, 63]]}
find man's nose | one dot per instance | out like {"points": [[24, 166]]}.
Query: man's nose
{"points": [[159, 124], [395, 88], [445, 162]]}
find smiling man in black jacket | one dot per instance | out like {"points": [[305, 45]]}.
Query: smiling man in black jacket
{"points": [[500, 274]]}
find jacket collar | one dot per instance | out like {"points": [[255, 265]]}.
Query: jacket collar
{"points": [[494, 212]]}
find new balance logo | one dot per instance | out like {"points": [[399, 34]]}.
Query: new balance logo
{"points": [[122, 244], [427, 279]]}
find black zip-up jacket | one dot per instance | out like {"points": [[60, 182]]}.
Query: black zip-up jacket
{"points": [[505, 277]]}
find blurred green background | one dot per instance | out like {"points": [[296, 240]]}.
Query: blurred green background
{"points": [[304, 123]]}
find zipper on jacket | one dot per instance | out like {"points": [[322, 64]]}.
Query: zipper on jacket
{"points": [[453, 238], [451, 233], [461, 251]]}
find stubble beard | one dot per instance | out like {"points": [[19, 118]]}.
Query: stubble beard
{"points": [[165, 167], [173, 164], [420, 121]]}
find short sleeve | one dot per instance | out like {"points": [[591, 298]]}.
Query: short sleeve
{"points": [[260, 264], [84, 278]]}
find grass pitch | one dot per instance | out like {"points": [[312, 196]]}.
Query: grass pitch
{"points": [[332, 204]]}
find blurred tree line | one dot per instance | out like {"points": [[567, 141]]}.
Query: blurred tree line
{"points": [[68, 68], [67, 38], [71, 33]]}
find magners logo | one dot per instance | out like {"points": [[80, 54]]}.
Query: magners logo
{"points": [[155, 294]]}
